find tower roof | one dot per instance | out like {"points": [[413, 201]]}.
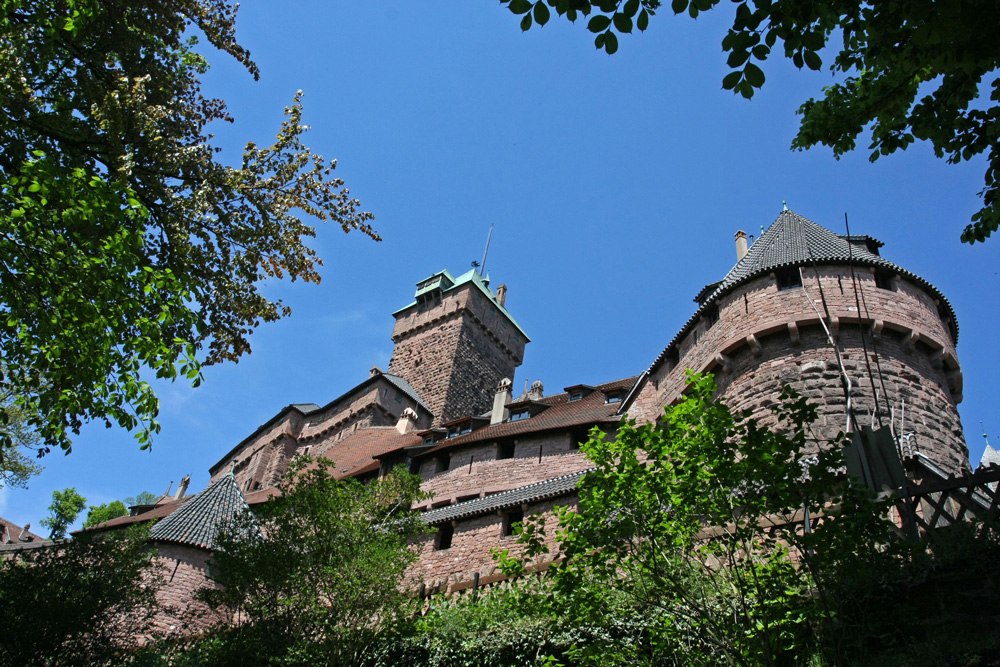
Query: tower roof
{"points": [[444, 281], [198, 521], [791, 241]]}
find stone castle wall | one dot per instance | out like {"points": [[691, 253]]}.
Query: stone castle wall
{"points": [[185, 570], [765, 337]]}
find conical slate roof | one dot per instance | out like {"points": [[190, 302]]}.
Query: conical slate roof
{"points": [[198, 521], [792, 240]]}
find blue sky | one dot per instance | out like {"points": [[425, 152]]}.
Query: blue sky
{"points": [[615, 184]]}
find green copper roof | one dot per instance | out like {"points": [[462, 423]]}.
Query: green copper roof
{"points": [[444, 281]]}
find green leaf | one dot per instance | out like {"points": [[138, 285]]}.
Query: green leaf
{"points": [[610, 42], [730, 80], [737, 58], [622, 23], [526, 22], [631, 7], [541, 13], [643, 21], [599, 40], [813, 61], [598, 24], [679, 6], [519, 6]]}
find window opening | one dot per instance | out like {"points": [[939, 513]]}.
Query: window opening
{"points": [[441, 463], [511, 519], [442, 540], [788, 278], [575, 395], [520, 415], [505, 450]]}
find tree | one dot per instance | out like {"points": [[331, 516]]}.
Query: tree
{"points": [[66, 506], [17, 440], [104, 512], [890, 52], [316, 574], [83, 602], [696, 519], [141, 498], [126, 248]]}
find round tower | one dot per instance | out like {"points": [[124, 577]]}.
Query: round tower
{"points": [[771, 320]]}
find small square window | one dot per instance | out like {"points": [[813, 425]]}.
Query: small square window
{"points": [[511, 519], [442, 463], [575, 395], [788, 278], [505, 450], [613, 398], [442, 540], [883, 280]]}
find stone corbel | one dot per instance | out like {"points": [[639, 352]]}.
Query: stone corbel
{"points": [[877, 326], [955, 383], [937, 358], [910, 341], [793, 333], [754, 345], [724, 361]]}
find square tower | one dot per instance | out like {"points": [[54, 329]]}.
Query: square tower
{"points": [[455, 342]]}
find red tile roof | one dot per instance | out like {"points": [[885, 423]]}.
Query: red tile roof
{"points": [[563, 413], [157, 512], [13, 533], [356, 453]]}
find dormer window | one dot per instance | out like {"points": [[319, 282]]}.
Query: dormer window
{"points": [[614, 397], [575, 395], [428, 439], [520, 415]]}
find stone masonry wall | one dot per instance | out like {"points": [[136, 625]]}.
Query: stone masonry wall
{"points": [[766, 337], [455, 352], [185, 570], [472, 541]]}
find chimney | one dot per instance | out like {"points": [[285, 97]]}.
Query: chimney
{"points": [[500, 401], [741, 245], [23, 537], [407, 421], [375, 371], [502, 293], [182, 487], [536, 392]]}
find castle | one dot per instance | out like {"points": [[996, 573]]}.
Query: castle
{"points": [[803, 306]]}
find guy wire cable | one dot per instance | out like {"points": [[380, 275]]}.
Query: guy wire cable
{"points": [[858, 289], [861, 326]]}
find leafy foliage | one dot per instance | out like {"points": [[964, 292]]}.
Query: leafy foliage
{"points": [[104, 512], [890, 53], [124, 244], [83, 602], [19, 442], [66, 506], [316, 574]]}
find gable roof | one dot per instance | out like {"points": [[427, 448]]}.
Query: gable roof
{"points": [[197, 522], [791, 241], [356, 453], [563, 413]]}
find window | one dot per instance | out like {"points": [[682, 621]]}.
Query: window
{"points": [[428, 440], [883, 280], [512, 518], [521, 415], [613, 398], [576, 395], [505, 450], [441, 463], [711, 315], [414, 466], [453, 432], [788, 278], [442, 540]]}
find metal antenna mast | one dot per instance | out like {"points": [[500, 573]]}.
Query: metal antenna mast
{"points": [[482, 267]]}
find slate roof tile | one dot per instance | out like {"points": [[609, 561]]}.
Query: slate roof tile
{"points": [[552, 488], [198, 521]]}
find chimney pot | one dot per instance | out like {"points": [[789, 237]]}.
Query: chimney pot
{"points": [[407, 421], [537, 391], [741, 245], [500, 401], [182, 487], [374, 371], [502, 293]]}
